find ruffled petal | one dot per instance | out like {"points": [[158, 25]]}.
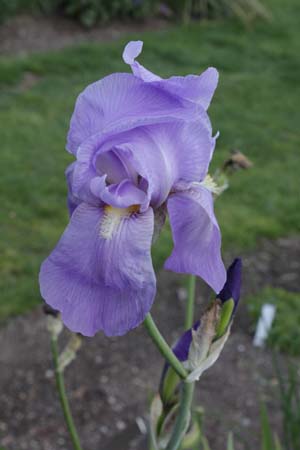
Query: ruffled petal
{"points": [[195, 88], [101, 283], [120, 102], [166, 153], [161, 154], [196, 236]]}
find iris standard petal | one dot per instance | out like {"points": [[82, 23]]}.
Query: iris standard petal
{"points": [[120, 102], [162, 154], [195, 88], [101, 283], [171, 152], [196, 236], [117, 169]]}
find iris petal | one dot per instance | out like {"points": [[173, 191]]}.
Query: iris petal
{"points": [[120, 102], [132, 51], [123, 195], [97, 283], [196, 236], [196, 88]]}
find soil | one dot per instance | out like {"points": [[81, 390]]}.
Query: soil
{"points": [[111, 381], [27, 34]]}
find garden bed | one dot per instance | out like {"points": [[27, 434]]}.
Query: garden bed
{"points": [[111, 381]]}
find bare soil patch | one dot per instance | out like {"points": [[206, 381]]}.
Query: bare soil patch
{"points": [[27, 34]]}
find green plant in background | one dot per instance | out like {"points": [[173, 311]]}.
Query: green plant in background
{"points": [[89, 12], [285, 332], [269, 439], [245, 10], [289, 385]]}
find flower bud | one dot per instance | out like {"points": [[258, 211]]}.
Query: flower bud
{"points": [[199, 347], [210, 337]]}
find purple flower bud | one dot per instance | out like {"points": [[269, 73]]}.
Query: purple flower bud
{"points": [[232, 287]]}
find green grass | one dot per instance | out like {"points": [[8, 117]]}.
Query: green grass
{"points": [[255, 109], [285, 332]]}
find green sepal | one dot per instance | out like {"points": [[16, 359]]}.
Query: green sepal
{"points": [[225, 318]]}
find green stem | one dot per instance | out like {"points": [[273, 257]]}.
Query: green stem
{"points": [[183, 418], [184, 414], [63, 397], [189, 316], [163, 347]]}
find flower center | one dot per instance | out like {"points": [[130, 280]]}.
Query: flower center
{"points": [[112, 219]]}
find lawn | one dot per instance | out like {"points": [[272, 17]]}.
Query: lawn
{"points": [[256, 109]]}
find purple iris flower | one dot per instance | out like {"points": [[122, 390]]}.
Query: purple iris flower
{"points": [[142, 145]]}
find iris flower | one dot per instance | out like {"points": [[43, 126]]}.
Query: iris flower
{"points": [[142, 147]]}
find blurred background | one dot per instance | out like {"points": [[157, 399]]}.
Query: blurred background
{"points": [[49, 51]]}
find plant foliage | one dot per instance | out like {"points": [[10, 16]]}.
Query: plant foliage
{"points": [[289, 385], [90, 12]]}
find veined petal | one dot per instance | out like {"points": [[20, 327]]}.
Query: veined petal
{"points": [[196, 236], [166, 153], [162, 154], [101, 283], [120, 102], [196, 88]]}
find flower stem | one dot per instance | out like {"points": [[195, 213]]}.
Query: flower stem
{"points": [[189, 316], [63, 396], [183, 418], [163, 347], [187, 390]]}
